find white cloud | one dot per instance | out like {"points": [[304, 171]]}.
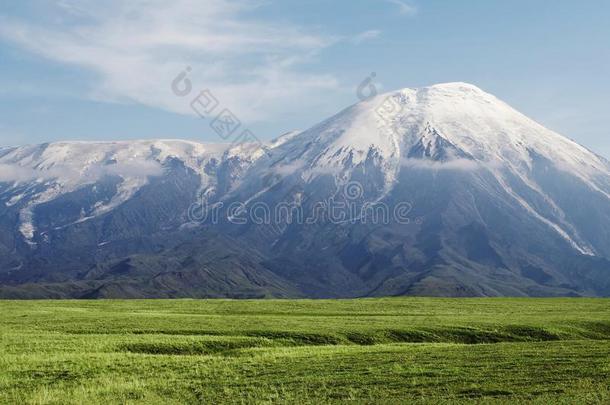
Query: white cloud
{"points": [[131, 169], [404, 7], [366, 36], [10, 173], [452, 165], [289, 168], [137, 47]]}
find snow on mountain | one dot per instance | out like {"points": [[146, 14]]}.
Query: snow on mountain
{"points": [[475, 122], [451, 126], [487, 128], [42, 173], [501, 206]]}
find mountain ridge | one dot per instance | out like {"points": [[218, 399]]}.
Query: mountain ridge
{"points": [[496, 205]]}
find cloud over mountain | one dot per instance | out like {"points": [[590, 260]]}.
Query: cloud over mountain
{"points": [[136, 48]]}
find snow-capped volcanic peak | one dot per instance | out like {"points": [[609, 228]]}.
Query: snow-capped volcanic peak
{"points": [[496, 205], [452, 126], [448, 126], [461, 116], [338, 145], [480, 124]]}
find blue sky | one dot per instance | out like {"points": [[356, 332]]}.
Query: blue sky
{"points": [[92, 70]]}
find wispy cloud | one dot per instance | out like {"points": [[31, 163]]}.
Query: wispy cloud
{"points": [[451, 165], [404, 7], [11, 172], [136, 48], [365, 36]]}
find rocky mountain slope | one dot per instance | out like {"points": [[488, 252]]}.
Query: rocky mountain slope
{"points": [[444, 190]]}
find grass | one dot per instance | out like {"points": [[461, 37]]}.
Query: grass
{"points": [[402, 350]]}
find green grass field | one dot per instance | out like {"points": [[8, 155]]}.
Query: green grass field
{"points": [[401, 350]]}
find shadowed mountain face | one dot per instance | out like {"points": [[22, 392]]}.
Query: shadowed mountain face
{"points": [[437, 191]]}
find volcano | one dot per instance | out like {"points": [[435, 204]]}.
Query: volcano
{"points": [[442, 191]]}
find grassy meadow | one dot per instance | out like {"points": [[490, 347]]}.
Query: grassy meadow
{"points": [[398, 350]]}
